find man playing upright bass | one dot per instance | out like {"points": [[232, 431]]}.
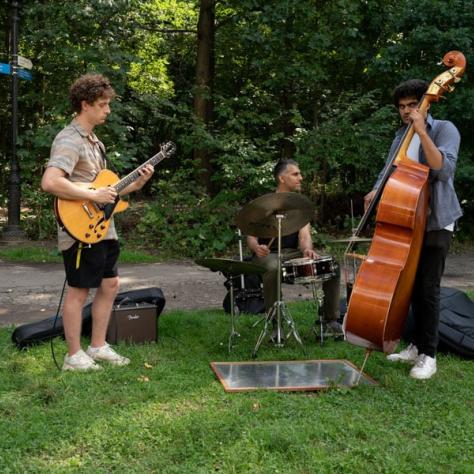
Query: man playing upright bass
{"points": [[436, 145]]}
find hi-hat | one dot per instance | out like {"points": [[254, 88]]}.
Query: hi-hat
{"points": [[233, 267], [258, 217]]}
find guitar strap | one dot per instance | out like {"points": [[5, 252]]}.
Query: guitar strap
{"points": [[81, 244], [102, 152], [78, 255]]}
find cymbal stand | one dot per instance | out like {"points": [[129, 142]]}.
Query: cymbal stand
{"points": [[233, 332], [241, 256], [278, 312]]}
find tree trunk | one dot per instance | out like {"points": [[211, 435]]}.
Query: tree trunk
{"points": [[203, 105]]}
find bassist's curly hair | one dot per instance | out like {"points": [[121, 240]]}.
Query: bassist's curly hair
{"points": [[411, 88]]}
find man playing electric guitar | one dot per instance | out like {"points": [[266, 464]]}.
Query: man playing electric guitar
{"points": [[77, 156]]}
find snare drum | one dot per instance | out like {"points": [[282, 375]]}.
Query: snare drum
{"points": [[307, 270]]}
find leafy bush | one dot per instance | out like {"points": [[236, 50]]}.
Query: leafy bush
{"points": [[185, 221]]}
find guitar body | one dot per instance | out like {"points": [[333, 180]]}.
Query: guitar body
{"points": [[87, 221]]}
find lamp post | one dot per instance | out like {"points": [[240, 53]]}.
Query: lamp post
{"points": [[12, 231]]}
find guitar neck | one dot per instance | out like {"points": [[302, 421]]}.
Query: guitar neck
{"points": [[134, 175]]}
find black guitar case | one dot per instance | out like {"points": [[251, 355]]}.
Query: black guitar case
{"points": [[456, 323], [41, 331]]}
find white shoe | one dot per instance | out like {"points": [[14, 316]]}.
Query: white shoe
{"points": [[409, 354], [425, 367], [79, 361], [108, 354]]}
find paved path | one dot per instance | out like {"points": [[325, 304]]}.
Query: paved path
{"points": [[31, 292]]}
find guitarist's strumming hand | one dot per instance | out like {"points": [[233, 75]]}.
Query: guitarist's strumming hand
{"points": [[105, 195]]}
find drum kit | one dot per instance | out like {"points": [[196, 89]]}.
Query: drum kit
{"points": [[274, 216]]}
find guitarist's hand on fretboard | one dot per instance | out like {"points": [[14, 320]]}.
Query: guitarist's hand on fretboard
{"points": [[145, 173]]}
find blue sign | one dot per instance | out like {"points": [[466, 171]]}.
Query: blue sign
{"points": [[24, 74], [5, 68]]}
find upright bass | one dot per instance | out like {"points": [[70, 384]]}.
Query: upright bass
{"points": [[382, 289]]}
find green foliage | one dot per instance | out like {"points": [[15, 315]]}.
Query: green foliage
{"points": [[309, 80], [38, 220], [186, 222]]}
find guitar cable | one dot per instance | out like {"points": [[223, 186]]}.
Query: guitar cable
{"points": [[54, 325]]}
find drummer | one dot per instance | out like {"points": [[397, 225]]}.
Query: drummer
{"points": [[299, 244]]}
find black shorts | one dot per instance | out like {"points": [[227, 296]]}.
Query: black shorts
{"points": [[95, 263]]}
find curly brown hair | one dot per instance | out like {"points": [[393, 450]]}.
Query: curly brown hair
{"points": [[89, 87]]}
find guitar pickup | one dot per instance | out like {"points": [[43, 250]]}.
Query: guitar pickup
{"points": [[86, 209]]}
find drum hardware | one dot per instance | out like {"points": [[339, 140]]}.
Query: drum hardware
{"points": [[279, 310], [320, 325], [318, 295], [306, 271], [241, 256], [233, 333], [231, 269]]}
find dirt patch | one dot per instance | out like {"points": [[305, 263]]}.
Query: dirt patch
{"points": [[30, 292]]}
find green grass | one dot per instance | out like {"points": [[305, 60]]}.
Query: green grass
{"points": [[49, 254], [167, 413]]}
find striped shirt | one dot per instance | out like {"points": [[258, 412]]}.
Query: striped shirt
{"points": [[81, 156]]}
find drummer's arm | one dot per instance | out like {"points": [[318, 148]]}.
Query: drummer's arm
{"points": [[256, 248], [306, 242]]}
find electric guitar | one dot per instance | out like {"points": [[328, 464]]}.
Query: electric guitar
{"points": [[88, 221]]}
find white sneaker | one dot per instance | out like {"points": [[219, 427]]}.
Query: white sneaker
{"points": [[425, 367], [409, 354], [79, 361], [108, 354]]}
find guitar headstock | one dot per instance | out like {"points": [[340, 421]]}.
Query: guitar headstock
{"points": [[167, 149], [456, 62]]}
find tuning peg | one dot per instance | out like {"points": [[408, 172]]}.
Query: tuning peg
{"points": [[457, 79]]}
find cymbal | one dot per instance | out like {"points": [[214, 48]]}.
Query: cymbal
{"points": [[258, 217], [234, 267]]}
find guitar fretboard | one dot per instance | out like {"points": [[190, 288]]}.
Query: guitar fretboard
{"points": [[134, 175]]}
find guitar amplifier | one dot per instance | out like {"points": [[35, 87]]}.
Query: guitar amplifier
{"points": [[133, 323]]}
